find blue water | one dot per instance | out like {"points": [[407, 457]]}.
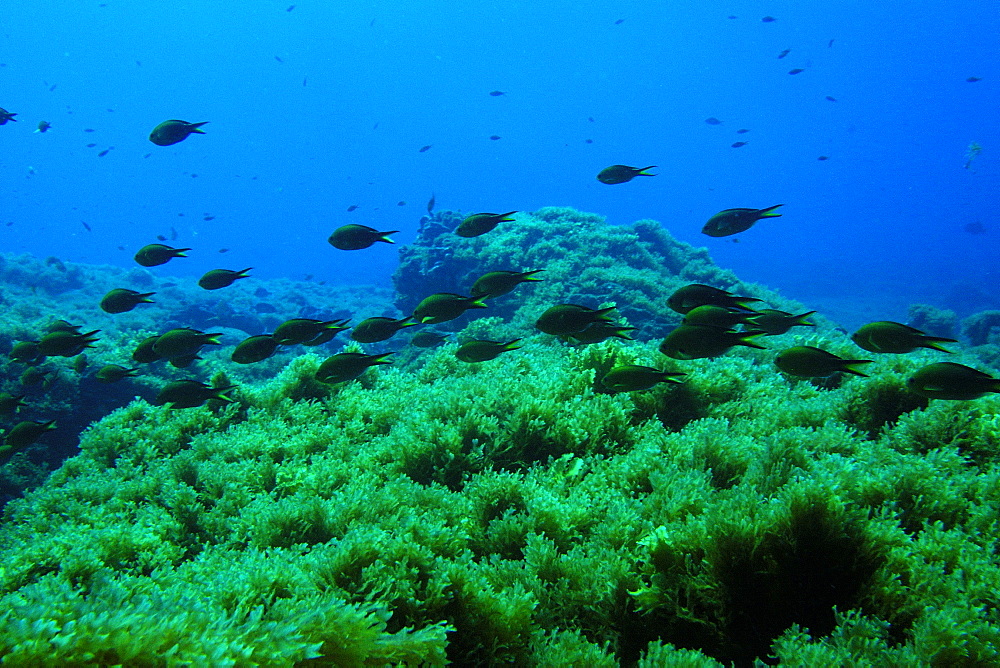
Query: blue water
{"points": [[326, 106]]}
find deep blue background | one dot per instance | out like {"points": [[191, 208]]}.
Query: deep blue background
{"points": [[881, 223]]}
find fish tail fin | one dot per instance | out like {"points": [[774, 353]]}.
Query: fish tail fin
{"points": [[848, 367], [746, 338], [511, 345], [507, 215], [672, 377], [934, 342], [477, 302], [769, 212], [196, 127], [622, 332], [380, 358], [801, 319], [242, 273], [530, 275], [384, 236], [642, 172]]}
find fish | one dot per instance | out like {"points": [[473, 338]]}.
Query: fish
{"points": [[495, 137], [373, 330], [597, 332], [886, 336], [797, 70], [969, 80], [717, 316], [688, 342], [43, 126], [173, 131], [738, 144], [481, 223], [6, 116], [742, 131], [103, 153], [444, 306], [356, 237], [812, 362], [401, 203], [121, 300], [11, 403], [685, 299], [566, 319], [424, 149], [26, 352], [823, 158], [830, 98], [430, 204], [86, 226], [112, 373], [217, 279], [427, 339], [619, 22], [22, 435], [712, 120], [183, 342], [768, 19], [254, 349], [784, 53], [153, 255], [306, 331], [480, 350], [344, 367], [734, 221], [637, 378], [91, 145], [353, 207], [80, 363], [616, 174], [956, 382], [191, 394], [497, 93], [776, 322], [144, 353], [278, 58], [496, 283], [62, 343], [290, 8]]}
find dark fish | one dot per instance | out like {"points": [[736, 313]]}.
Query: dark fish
{"points": [[183, 342], [599, 331], [711, 120], [894, 337], [494, 137], [619, 22], [776, 322], [590, 118], [6, 116], [738, 144], [85, 225], [483, 351], [823, 157], [254, 349], [290, 8], [742, 131], [444, 306], [307, 331], [974, 79], [401, 202], [430, 204], [689, 297], [784, 53], [427, 339], [344, 367], [830, 98], [121, 300], [154, 255], [26, 352], [103, 153], [223, 250], [797, 70], [497, 93], [734, 221], [144, 353], [829, 44], [10, 403], [947, 380], [173, 131], [588, 141], [207, 217], [22, 435], [481, 223], [811, 362], [216, 279], [622, 174], [688, 342], [88, 129], [160, 237], [305, 80], [423, 149], [91, 145], [356, 237], [66, 344], [278, 59], [717, 316], [112, 373], [373, 330], [79, 363], [768, 19], [43, 126], [353, 207], [191, 394], [975, 228], [565, 319], [636, 378], [496, 283]]}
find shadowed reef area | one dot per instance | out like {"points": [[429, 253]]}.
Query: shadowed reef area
{"points": [[505, 512]]}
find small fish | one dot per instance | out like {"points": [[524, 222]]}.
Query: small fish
{"points": [[356, 237], [588, 141], [254, 349], [88, 129], [344, 367], [43, 126], [494, 137], [10, 403], [216, 279], [79, 363], [622, 174], [975, 227], [66, 344], [173, 131], [353, 207], [305, 80], [223, 250], [776, 322], [497, 93], [122, 300], [893, 337], [689, 297], [191, 394], [91, 145], [742, 131], [430, 204], [444, 306], [290, 8], [812, 362], [26, 352], [784, 53], [481, 223], [830, 98], [601, 330], [307, 331], [829, 44], [427, 339], [738, 144], [717, 316], [183, 342], [373, 330], [154, 255], [974, 79], [22, 435], [496, 283], [144, 353], [688, 342], [86, 226], [947, 380], [734, 221], [711, 120], [483, 351], [768, 19], [823, 157], [103, 153], [278, 59], [566, 319], [637, 378], [401, 202], [207, 217], [619, 22], [112, 373], [424, 149], [797, 70]]}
